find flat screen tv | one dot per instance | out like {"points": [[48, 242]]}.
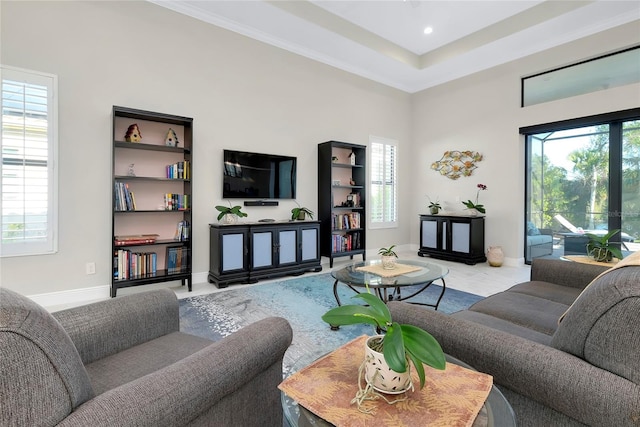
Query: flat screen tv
{"points": [[258, 176]]}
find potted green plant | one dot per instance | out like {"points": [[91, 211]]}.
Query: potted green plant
{"points": [[300, 213], [229, 215], [388, 257], [434, 207], [600, 249], [399, 343]]}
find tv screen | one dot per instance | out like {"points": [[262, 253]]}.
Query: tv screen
{"points": [[258, 176]]}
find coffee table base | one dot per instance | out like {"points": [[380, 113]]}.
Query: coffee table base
{"points": [[384, 295]]}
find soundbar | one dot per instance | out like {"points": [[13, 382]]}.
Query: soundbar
{"points": [[261, 203]]}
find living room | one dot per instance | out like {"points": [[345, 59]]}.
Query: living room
{"points": [[244, 94], [248, 95]]}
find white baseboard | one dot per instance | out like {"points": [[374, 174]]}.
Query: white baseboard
{"points": [[74, 297]]}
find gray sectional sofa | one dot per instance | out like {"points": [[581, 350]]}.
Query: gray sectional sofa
{"points": [[124, 362], [584, 370]]}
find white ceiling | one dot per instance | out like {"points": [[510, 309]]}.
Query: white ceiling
{"points": [[384, 40]]}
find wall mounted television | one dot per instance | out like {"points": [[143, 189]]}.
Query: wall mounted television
{"points": [[258, 176]]}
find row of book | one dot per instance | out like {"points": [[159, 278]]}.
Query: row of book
{"points": [[177, 202], [129, 265], [177, 259], [179, 170], [348, 242], [183, 230], [124, 199], [345, 221]]}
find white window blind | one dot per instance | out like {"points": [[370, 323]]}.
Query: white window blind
{"points": [[383, 195], [28, 176]]}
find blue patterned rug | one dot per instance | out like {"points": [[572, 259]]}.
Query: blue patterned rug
{"points": [[302, 301]]}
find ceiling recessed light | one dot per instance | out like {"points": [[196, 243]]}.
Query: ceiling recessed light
{"points": [[428, 30]]}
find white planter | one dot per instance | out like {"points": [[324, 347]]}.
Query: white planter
{"points": [[380, 376], [388, 262], [229, 219]]}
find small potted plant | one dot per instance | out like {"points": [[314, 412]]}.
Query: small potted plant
{"points": [[299, 213], [229, 215], [434, 207], [388, 257], [398, 343], [600, 249]]}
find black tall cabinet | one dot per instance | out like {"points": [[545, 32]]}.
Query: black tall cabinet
{"points": [[342, 199]]}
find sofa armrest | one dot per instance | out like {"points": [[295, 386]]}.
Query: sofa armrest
{"points": [[188, 390], [565, 273], [108, 327], [546, 231], [541, 373]]}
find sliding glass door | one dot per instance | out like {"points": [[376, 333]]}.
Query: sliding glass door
{"points": [[582, 176]]}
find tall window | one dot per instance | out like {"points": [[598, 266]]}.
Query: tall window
{"points": [[583, 176], [28, 176], [384, 198]]}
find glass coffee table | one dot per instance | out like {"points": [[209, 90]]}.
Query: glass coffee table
{"points": [[496, 410], [390, 288]]}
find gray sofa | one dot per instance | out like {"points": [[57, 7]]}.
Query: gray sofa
{"points": [[124, 362], [583, 371]]}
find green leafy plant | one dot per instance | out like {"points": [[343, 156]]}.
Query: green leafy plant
{"points": [[295, 212], [471, 205], [600, 249], [388, 251], [434, 207], [400, 343], [231, 210]]}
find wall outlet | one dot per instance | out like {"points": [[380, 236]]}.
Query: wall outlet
{"points": [[91, 268]]}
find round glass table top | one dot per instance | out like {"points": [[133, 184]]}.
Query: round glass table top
{"points": [[427, 273]]}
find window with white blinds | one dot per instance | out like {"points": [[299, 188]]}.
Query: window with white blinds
{"points": [[383, 186], [28, 175]]}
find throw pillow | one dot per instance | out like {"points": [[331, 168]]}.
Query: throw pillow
{"points": [[532, 230]]}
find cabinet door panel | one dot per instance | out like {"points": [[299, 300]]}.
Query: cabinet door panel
{"points": [[262, 249], [232, 252], [460, 233], [430, 234], [287, 249], [309, 244]]}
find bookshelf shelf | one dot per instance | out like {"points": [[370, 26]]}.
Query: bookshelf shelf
{"points": [[162, 178]]}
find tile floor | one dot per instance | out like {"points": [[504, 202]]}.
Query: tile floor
{"points": [[479, 279]]}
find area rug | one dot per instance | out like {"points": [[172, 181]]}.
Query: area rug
{"points": [[302, 301]]}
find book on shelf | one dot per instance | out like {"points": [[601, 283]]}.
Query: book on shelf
{"points": [[177, 202], [130, 265], [124, 199], [183, 231], [179, 170], [177, 259], [134, 239]]}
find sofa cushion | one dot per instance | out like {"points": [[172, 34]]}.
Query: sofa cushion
{"points": [[549, 291], [525, 310], [540, 239], [136, 362], [503, 325], [39, 364], [602, 325]]}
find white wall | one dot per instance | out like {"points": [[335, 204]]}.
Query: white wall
{"points": [[241, 93], [482, 113]]}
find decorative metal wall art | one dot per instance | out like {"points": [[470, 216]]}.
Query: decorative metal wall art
{"points": [[455, 164]]}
